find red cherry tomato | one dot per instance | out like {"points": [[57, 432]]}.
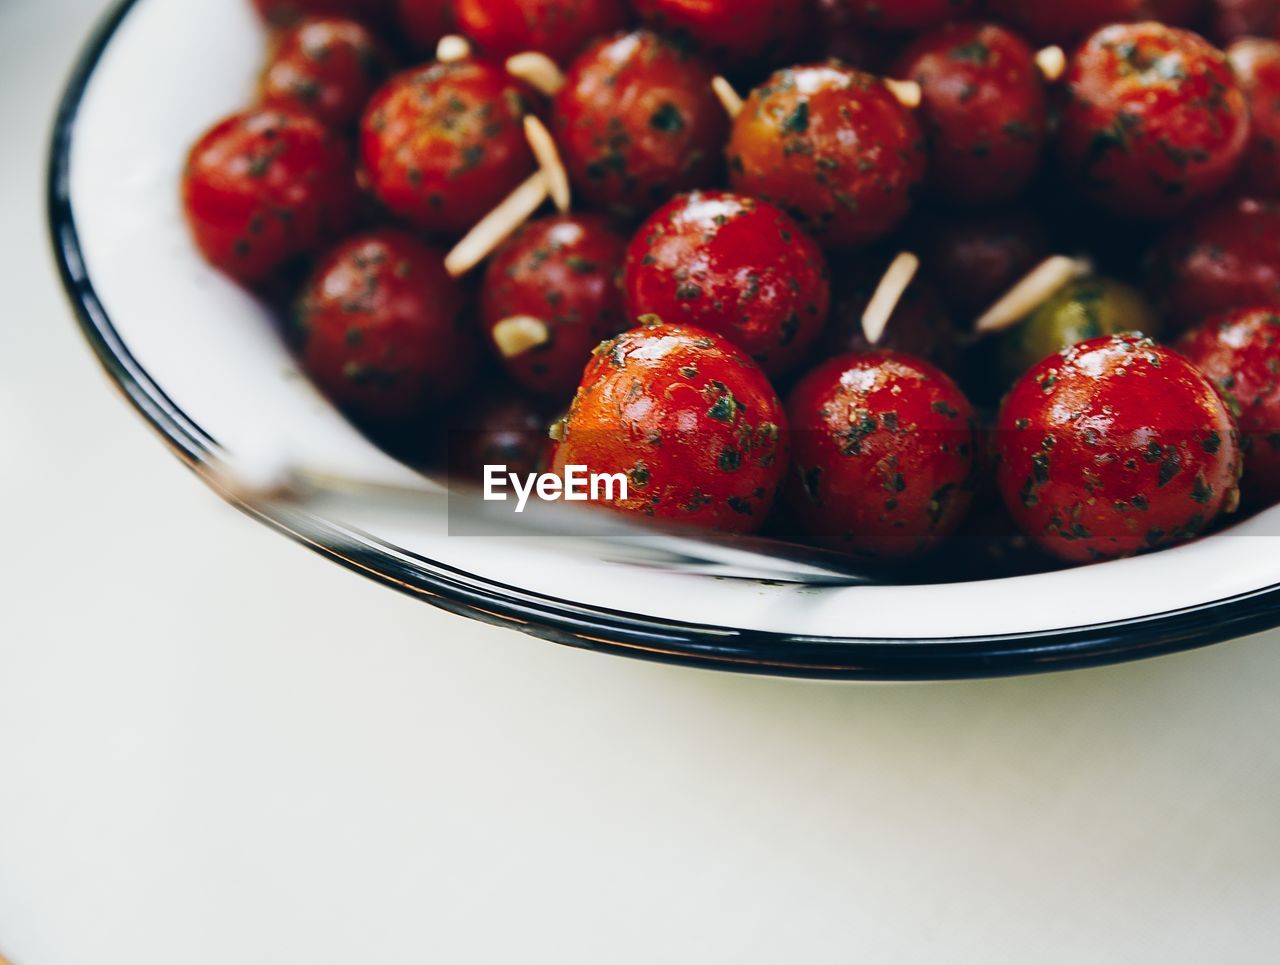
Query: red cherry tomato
{"points": [[1154, 120], [1066, 21], [380, 327], [1227, 257], [264, 187], [424, 22], [285, 13], [557, 28], [564, 273], [906, 15], [1257, 64], [498, 427], [1230, 20], [443, 145], [1116, 446], [328, 68], [691, 421], [729, 31], [984, 110], [883, 455], [637, 121], [734, 266], [833, 148], [1240, 353]]}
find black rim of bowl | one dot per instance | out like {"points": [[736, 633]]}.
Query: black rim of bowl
{"points": [[610, 631]]}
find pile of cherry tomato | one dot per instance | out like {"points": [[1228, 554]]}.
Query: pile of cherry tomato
{"points": [[975, 285]]}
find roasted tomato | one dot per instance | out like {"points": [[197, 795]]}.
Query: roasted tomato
{"points": [[1240, 353], [499, 428], [264, 187], [906, 15], [1229, 20], [557, 28], [975, 258], [883, 452], [1116, 446], [1154, 120], [442, 145], [730, 31], [424, 22], [734, 266], [1066, 21], [637, 122], [285, 13], [380, 328], [553, 293], [690, 420], [984, 110], [1227, 257], [326, 67], [1257, 64]]}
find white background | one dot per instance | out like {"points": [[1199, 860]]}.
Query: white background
{"points": [[217, 748]]}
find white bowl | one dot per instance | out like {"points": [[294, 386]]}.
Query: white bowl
{"points": [[203, 363]]}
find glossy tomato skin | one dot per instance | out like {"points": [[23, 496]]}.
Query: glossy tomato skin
{"points": [[380, 328], [1154, 120], [1067, 21], [735, 266], [264, 187], [424, 22], [883, 451], [1239, 352], [565, 271], [557, 28], [833, 148], [906, 15], [637, 122], [442, 145], [1227, 257], [984, 110], [1257, 64], [326, 67], [731, 32], [692, 422], [1230, 20], [286, 13], [1113, 447]]}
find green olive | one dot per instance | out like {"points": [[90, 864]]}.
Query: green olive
{"points": [[1086, 308]]}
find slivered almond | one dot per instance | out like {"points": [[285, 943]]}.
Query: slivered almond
{"points": [[730, 99], [452, 48], [538, 71], [1037, 287], [908, 92], [548, 155], [498, 225], [889, 292], [1052, 63], [519, 334]]}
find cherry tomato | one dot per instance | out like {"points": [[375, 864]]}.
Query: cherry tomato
{"points": [[984, 110], [1113, 447], [1257, 64], [883, 455], [557, 28], [565, 274], [498, 427], [833, 148], [690, 420], [1067, 21], [729, 31], [443, 145], [637, 121], [285, 13], [1239, 351], [1227, 257], [1230, 20], [380, 327], [328, 68], [734, 266], [1154, 120], [424, 22], [906, 15], [264, 187]]}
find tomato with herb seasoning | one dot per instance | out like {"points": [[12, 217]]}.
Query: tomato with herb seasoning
{"points": [[832, 147], [1239, 352], [1113, 447], [1067, 21], [444, 144], [734, 266], [1227, 257], [380, 327], [264, 187], [883, 451], [905, 15], [1257, 64], [638, 121], [1154, 120], [732, 32], [424, 22], [286, 13], [557, 28], [689, 419], [551, 294], [326, 67], [983, 110]]}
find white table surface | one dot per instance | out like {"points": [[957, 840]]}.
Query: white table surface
{"points": [[216, 747]]}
